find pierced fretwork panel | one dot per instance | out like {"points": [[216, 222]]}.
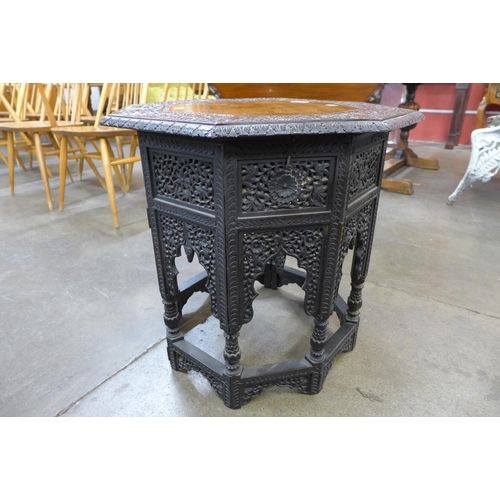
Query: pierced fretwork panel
{"points": [[365, 169], [184, 178]]}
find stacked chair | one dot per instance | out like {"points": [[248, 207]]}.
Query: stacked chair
{"points": [[113, 97], [34, 118], [55, 119], [8, 97]]}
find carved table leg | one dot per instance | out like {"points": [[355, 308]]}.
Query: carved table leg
{"points": [[318, 339], [359, 269], [172, 319], [232, 353], [172, 315]]}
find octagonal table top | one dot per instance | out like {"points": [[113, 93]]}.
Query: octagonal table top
{"points": [[261, 117]]}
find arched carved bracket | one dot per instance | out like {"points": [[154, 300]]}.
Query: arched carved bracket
{"points": [[355, 236], [261, 247], [195, 240]]}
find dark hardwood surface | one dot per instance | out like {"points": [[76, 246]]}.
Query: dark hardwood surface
{"points": [[358, 92], [462, 96], [261, 116], [268, 107]]}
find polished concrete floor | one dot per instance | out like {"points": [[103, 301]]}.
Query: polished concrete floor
{"points": [[82, 333]]}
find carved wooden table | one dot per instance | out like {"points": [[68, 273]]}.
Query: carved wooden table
{"points": [[243, 183]]}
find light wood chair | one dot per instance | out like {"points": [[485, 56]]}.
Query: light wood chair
{"points": [[184, 91], [67, 109], [105, 140], [9, 93]]}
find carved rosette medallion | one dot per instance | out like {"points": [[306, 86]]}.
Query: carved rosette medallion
{"points": [[284, 188], [278, 184]]}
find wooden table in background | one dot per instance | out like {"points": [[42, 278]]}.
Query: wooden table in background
{"points": [[401, 155], [457, 120]]}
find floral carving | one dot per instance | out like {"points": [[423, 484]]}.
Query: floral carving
{"points": [[277, 185], [201, 241], [364, 170], [283, 188], [172, 236], [184, 178]]}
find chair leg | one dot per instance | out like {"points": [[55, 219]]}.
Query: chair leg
{"points": [[43, 168], [118, 169], [63, 162], [18, 158], [108, 176], [10, 159], [133, 147], [20, 161], [82, 145], [480, 114], [29, 145], [124, 168], [82, 160]]}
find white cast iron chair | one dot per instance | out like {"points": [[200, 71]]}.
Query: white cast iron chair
{"points": [[485, 156]]}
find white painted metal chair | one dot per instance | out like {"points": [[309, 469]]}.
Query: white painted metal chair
{"points": [[485, 157]]}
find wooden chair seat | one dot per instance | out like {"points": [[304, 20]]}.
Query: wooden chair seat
{"points": [[88, 120], [93, 131], [29, 126]]}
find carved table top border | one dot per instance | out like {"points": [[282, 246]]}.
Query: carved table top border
{"points": [[153, 117]]}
